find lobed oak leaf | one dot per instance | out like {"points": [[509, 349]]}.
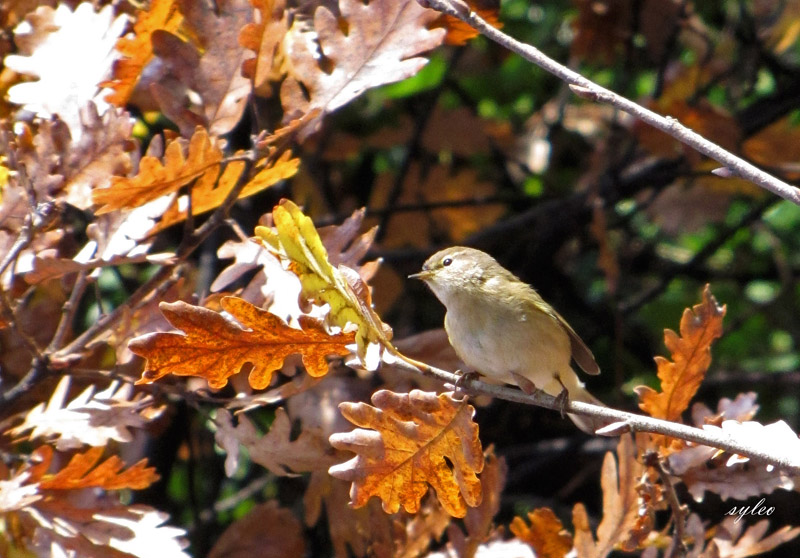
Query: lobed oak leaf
{"points": [[691, 357], [479, 521], [91, 418], [213, 73], [354, 532], [208, 195], [274, 450], [61, 37], [84, 471], [621, 505], [369, 44], [546, 533], [407, 442], [216, 348], [136, 49], [730, 542], [265, 38], [295, 238], [155, 179]]}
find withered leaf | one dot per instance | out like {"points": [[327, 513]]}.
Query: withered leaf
{"points": [[208, 195], [274, 450], [546, 533], [137, 50], [215, 348], [691, 357], [404, 444], [85, 470], [371, 44], [91, 418], [156, 179], [267, 531], [265, 38]]}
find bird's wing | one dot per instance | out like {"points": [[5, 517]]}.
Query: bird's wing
{"points": [[580, 352]]}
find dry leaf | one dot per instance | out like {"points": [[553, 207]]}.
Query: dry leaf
{"points": [[136, 49], [84, 470], [265, 38], [459, 32], [691, 357], [91, 418], [621, 507], [216, 348], [729, 542], [546, 533], [212, 70], [62, 37], [155, 179], [404, 444], [208, 195], [370, 44], [275, 450]]}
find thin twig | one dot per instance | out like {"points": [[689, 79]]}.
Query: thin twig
{"points": [[590, 90], [652, 459]]}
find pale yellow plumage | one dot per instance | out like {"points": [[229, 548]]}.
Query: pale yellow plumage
{"points": [[500, 327]]}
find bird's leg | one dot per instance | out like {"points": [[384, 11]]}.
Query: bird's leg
{"points": [[562, 399], [465, 376]]}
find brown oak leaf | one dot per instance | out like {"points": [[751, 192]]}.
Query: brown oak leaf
{"points": [[274, 450], [216, 348], [407, 442], [370, 44], [267, 531], [691, 357], [265, 38]]}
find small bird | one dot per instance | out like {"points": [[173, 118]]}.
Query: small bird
{"points": [[500, 327]]}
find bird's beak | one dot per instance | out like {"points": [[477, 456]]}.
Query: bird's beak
{"points": [[423, 275]]}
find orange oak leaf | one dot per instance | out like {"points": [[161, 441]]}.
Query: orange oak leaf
{"points": [[265, 38], [546, 533], [458, 32], [367, 45], [156, 179], [84, 470], [691, 357], [216, 348], [208, 195], [137, 49], [407, 442]]}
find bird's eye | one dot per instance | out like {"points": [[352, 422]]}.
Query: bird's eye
{"points": [[447, 261]]}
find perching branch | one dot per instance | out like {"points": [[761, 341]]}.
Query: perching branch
{"points": [[734, 166], [626, 421]]}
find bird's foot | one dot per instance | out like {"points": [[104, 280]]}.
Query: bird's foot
{"points": [[464, 377], [562, 399]]}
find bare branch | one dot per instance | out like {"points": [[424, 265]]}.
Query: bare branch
{"points": [[590, 90]]}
